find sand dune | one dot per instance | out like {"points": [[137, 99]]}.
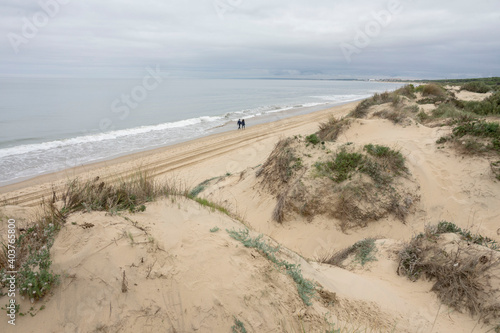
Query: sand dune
{"points": [[175, 268]]}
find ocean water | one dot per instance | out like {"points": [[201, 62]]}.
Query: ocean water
{"points": [[47, 125]]}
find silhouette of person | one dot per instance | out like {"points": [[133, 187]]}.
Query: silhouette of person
{"points": [[243, 123], [239, 123]]}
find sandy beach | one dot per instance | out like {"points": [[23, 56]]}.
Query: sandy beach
{"points": [[191, 161], [179, 266]]}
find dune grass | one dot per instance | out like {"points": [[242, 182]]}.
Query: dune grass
{"points": [[305, 288], [331, 129], [363, 250], [35, 277], [459, 277]]}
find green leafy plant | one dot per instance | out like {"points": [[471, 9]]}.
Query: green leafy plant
{"points": [[238, 326], [313, 138], [476, 86], [344, 165]]}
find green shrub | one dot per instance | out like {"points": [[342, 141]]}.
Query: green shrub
{"points": [[478, 128], [313, 138], [389, 159], [489, 106], [422, 116], [476, 86], [364, 251], [441, 140], [432, 90], [407, 90], [238, 326], [344, 165]]}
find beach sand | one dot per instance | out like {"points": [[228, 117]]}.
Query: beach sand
{"points": [[182, 271], [191, 161]]}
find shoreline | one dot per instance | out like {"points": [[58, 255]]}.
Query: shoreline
{"points": [[225, 127], [174, 158]]}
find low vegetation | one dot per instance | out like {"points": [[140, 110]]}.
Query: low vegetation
{"points": [[361, 109], [476, 86], [488, 106], [33, 244], [313, 138], [305, 288], [381, 163], [331, 129], [363, 252], [280, 165], [238, 326], [475, 137], [353, 185], [462, 273]]}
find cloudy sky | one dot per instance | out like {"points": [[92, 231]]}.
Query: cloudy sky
{"points": [[251, 38]]}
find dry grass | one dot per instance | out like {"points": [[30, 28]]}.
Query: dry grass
{"points": [[279, 209], [280, 165], [465, 277], [330, 130], [127, 194], [363, 252]]}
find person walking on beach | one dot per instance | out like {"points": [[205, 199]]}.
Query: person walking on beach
{"points": [[239, 123], [243, 123]]}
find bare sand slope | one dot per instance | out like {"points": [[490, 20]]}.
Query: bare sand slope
{"points": [[164, 270]]}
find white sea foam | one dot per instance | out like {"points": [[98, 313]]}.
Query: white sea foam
{"points": [[25, 149]]}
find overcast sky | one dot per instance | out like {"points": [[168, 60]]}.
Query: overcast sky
{"points": [[251, 38]]}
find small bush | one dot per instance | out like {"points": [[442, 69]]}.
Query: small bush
{"points": [[344, 165], [432, 90], [200, 187], [478, 128], [476, 86], [313, 138], [412, 108], [422, 116], [446, 110], [407, 90], [238, 326], [330, 130], [441, 140], [495, 168], [489, 106], [390, 159], [459, 276]]}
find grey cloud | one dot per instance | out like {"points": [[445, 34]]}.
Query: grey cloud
{"points": [[294, 38]]}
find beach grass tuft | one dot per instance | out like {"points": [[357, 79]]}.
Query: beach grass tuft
{"points": [[305, 288], [460, 275]]}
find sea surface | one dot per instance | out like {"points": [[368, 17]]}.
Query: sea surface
{"points": [[47, 125]]}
